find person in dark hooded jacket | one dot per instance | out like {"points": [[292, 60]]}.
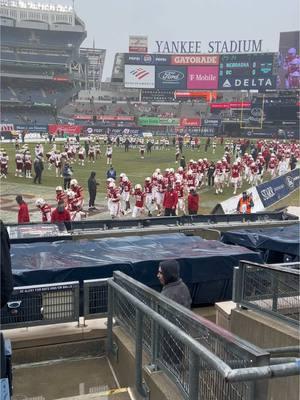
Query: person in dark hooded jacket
{"points": [[92, 187], [173, 286]]}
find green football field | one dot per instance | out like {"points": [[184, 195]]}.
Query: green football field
{"points": [[134, 167]]}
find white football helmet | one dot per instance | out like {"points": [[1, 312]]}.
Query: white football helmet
{"points": [[138, 187], [59, 188], [40, 202], [74, 182]]}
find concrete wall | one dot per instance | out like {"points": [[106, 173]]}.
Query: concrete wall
{"points": [[123, 363], [264, 332]]}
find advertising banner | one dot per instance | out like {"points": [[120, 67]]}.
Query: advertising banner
{"points": [[115, 118], [203, 131], [83, 117], [195, 59], [147, 59], [139, 76], [8, 127], [59, 128], [170, 77], [228, 105], [229, 206], [247, 83], [202, 77], [208, 95], [155, 95], [32, 128], [278, 188], [152, 121], [211, 122], [190, 122], [92, 130], [138, 43]]}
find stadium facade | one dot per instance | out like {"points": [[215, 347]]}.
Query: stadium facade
{"points": [[42, 66], [47, 77]]}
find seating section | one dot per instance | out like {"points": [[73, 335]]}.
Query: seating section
{"points": [[31, 117], [39, 38]]}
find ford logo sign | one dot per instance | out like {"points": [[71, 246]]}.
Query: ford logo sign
{"points": [[290, 181], [171, 76]]}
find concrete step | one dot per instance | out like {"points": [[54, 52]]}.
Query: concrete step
{"points": [[112, 394]]}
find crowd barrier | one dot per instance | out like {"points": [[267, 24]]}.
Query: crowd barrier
{"points": [[273, 290], [202, 359], [36, 232]]}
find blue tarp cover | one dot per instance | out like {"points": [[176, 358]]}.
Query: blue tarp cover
{"points": [[206, 265], [284, 239]]}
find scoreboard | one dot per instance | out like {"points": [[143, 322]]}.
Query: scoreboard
{"points": [[201, 72], [247, 71], [238, 65]]}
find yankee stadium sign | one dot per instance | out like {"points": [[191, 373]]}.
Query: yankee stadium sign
{"points": [[214, 46]]}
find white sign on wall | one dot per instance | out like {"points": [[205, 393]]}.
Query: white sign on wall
{"points": [[139, 76]]}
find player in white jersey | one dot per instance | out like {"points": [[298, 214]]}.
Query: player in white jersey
{"points": [[150, 205], [81, 156], [219, 177]]}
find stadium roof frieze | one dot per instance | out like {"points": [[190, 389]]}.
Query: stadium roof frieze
{"points": [[29, 5]]}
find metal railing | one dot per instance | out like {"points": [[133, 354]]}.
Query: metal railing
{"points": [[95, 298], [205, 361], [270, 289], [41, 305]]}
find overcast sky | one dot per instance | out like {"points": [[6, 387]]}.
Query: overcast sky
{"points": [[110, 22]]}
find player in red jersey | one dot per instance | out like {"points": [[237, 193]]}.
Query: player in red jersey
{"points": [[78, 190], [253, 174], [180, 193], [272, 166], [61, 195], [125, 194], [159, 194], [45, 209], [190, 180], [235, 176], [139, 196], [114, 200]]}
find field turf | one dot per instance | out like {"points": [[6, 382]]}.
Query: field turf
{"points": [[134, 167]]}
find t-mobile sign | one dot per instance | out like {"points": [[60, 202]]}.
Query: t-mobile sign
{"points": [[202, 77]]}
